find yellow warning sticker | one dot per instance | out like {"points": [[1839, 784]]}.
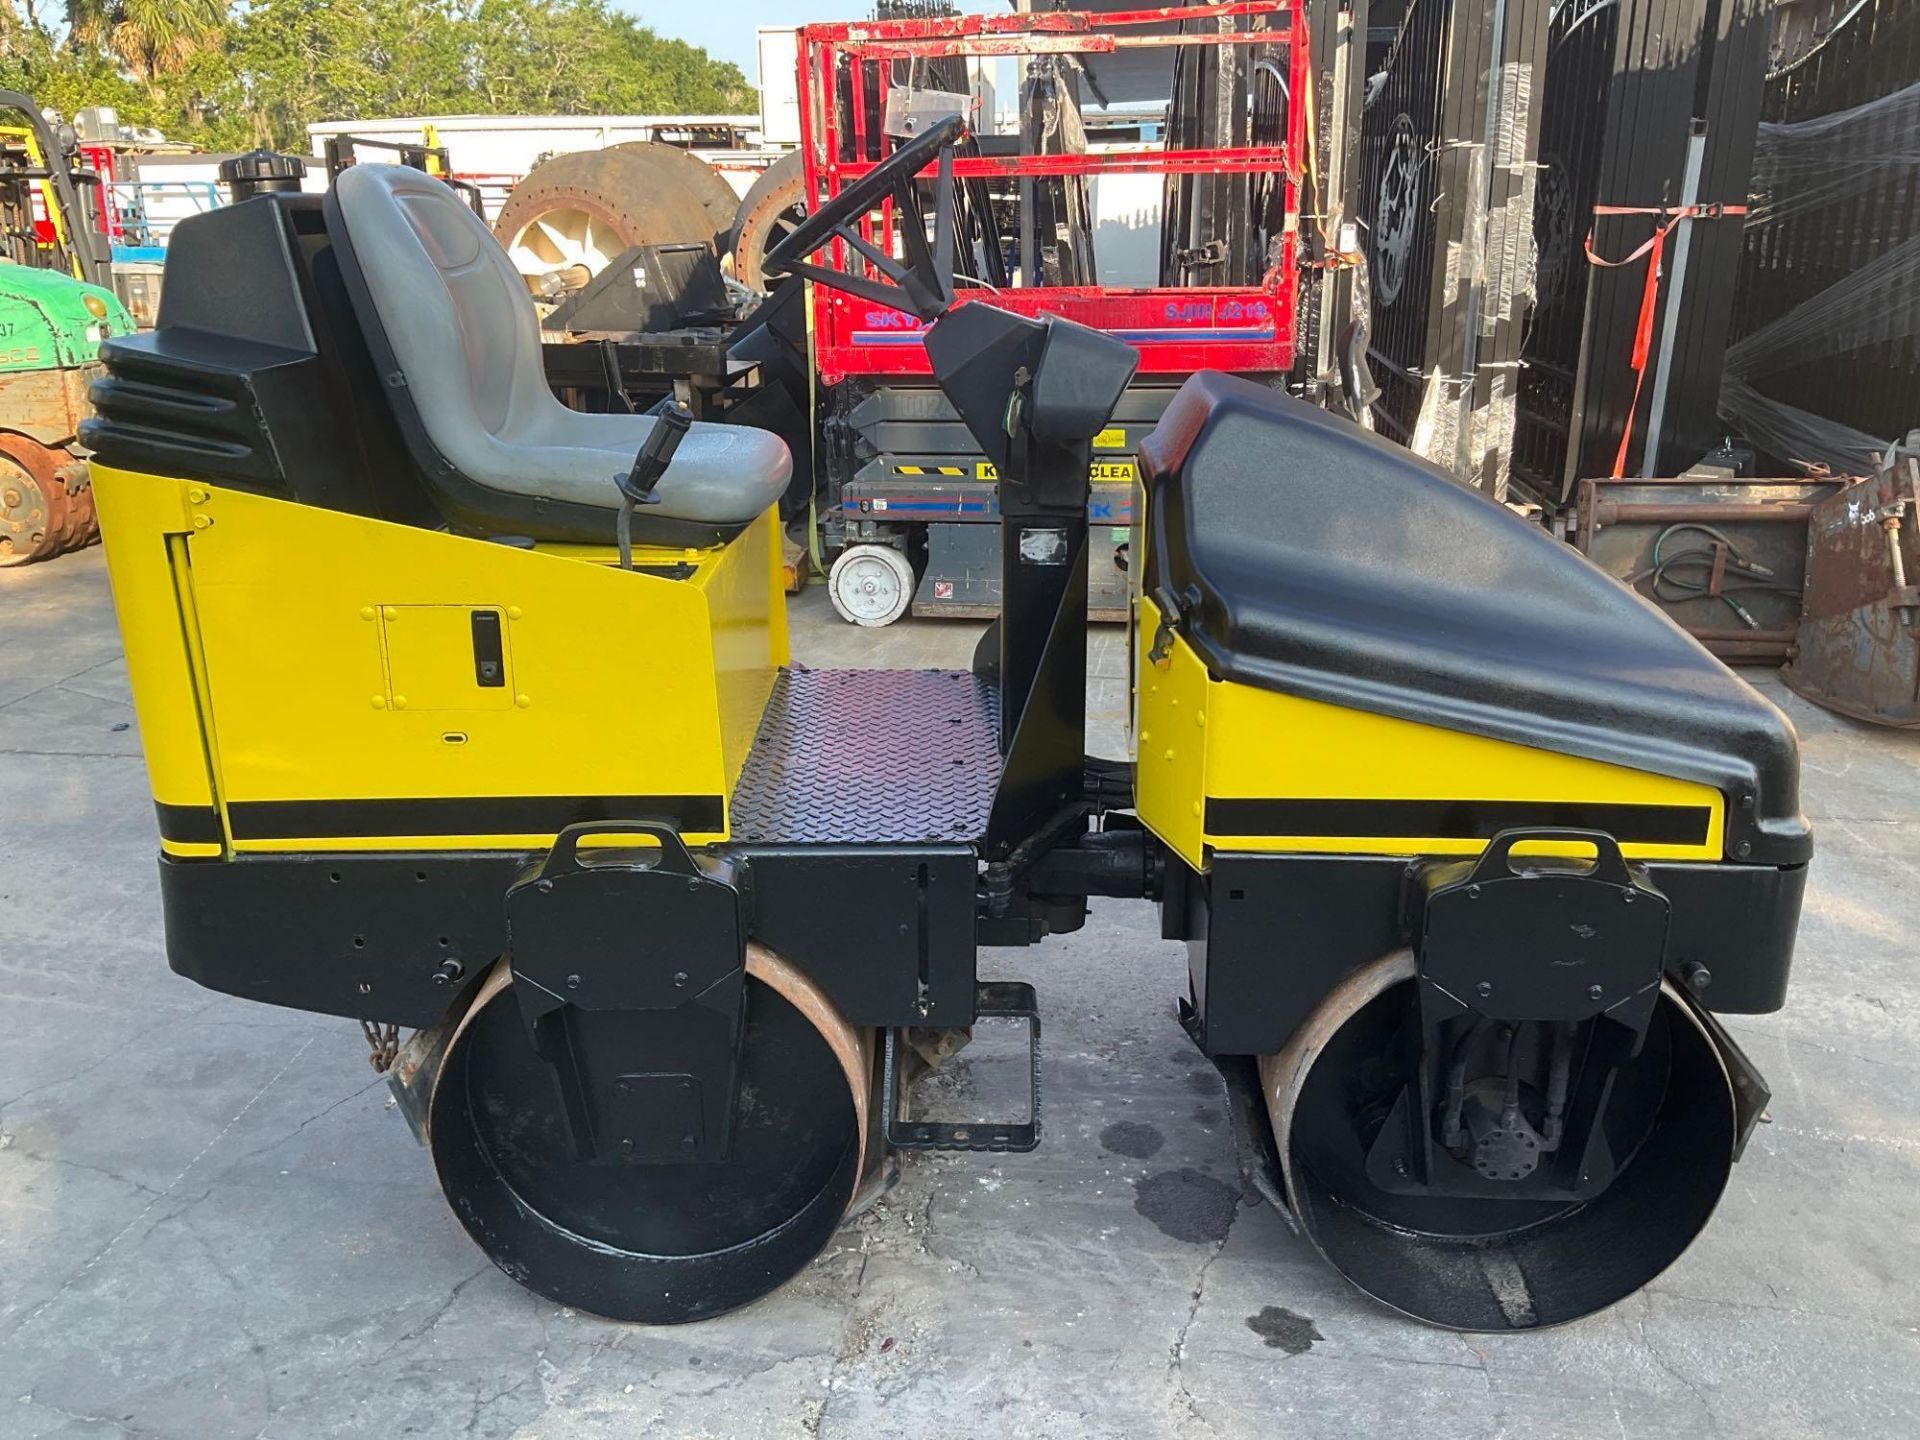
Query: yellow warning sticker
{"points": [[1101, 471], [1112, 438]]}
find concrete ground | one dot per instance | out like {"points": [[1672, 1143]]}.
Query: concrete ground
{"points": [[212, 1225]]}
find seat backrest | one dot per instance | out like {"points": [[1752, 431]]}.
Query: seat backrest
{"points": [[450, 324], [456, 313]]}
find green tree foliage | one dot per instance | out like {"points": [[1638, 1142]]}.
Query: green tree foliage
{"points": [[150, 38], [236, 76]]}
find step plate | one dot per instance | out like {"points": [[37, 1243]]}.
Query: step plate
{"points": [[870, 757], [996, 999]]}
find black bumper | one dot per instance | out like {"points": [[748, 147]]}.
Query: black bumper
{"points": [[886, 931], [1269, 935]]}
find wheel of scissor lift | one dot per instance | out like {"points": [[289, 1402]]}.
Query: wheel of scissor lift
{"points": [[659, 1244], [1493, 1264], [871, 584]]}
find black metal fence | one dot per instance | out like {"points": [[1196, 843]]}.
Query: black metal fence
{"points": [[1837, 198], [1446, 194], [1651, 105]]}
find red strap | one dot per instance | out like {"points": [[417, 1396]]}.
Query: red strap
{"points": [[1653, 249], [1642, 339], [1685, 212]]}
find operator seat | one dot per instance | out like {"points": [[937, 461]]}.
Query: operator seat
{"points": [[453, 330]]}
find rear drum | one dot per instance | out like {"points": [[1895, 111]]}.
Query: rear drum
{"points": [[661, 1244]]}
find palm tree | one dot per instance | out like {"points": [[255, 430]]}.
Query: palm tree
{"points": [[152, 38]]}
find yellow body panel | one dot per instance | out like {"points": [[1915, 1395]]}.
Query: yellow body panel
{"points": [[747, 621], [1170, 741], [1199, 739], [338, 664], [144, 529]]}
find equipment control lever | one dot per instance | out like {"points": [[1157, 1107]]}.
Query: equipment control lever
{"points": [[670, 425]]}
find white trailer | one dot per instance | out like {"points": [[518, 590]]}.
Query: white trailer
{"points": [[495, 152]]}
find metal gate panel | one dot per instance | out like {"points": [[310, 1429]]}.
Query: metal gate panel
{"points": [[1448, 151], [1633, 88], [1825, 232]]}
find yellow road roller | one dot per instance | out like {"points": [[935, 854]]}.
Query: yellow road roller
{"points": [[474, 715]]}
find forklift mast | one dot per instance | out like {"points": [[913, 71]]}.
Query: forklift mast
{"points": [[47, 223]]}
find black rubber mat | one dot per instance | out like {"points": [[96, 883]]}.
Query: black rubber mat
{"points": [[870, 757]]}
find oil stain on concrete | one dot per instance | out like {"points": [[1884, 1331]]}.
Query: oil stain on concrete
{"points": [[1187, 1205], [1284, 1330], [1204, 1082], [1131, 1139]]}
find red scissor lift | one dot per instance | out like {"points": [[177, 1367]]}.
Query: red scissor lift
{"points": [[909, 503]]}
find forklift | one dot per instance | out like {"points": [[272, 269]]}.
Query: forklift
{"points": [[468, 713], [56, 305]]}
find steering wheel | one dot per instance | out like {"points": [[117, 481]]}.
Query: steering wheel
{"points": [[924, 285]]}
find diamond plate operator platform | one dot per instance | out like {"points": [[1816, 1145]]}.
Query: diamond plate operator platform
{"points": [[870, 757]]}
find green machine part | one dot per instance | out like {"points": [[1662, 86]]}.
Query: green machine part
{"points": [[51, 327], [51, 321]]}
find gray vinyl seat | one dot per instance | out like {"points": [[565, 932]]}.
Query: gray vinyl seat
{"points": [[459, 326]]}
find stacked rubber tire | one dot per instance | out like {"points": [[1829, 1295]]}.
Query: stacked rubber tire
{"points": [[643, 193]]}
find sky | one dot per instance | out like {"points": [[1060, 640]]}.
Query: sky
{"points": [[724, 28]]}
